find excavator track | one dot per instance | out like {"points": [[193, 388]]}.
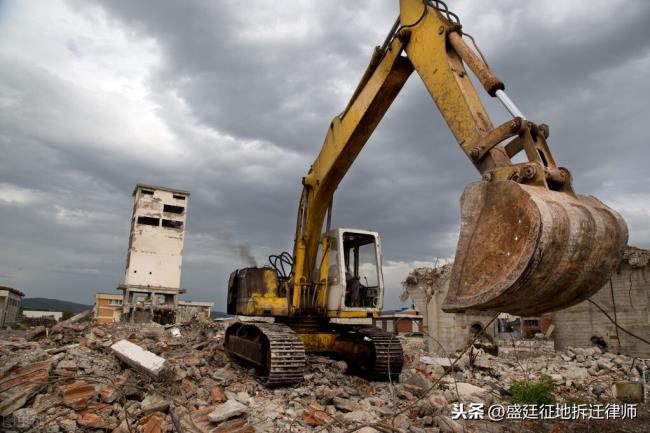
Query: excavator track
{"points": [[377, 354], [389, 355], [274, 349]]}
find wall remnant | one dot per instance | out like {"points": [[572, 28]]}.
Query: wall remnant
{"points": [[444, 333], [193, 310], [10, 300], [626, 298]]}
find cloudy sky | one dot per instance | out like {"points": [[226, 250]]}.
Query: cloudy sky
{"points": [[231, 101]]}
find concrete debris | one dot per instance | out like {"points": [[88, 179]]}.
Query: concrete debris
{"points": [[84, 315], [138, 358], [628, 391], [227, 410], [430, 360], [72, 382], [636, 257], [24, 418]]}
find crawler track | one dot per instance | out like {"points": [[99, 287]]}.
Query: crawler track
{"points": [[389, 355], [275, 349]]}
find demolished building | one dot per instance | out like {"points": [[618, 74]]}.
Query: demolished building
{"points": [[625, 298], [152, 277], [444, 333], [153, 266], [120, 378], [10, 301]]}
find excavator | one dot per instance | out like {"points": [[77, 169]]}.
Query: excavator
{"points": [[528, 243]]}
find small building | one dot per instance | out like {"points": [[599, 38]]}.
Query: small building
{"points": [[509, 326], [625, 298], [188, 310], [402, 321], [10, 300], [155, 254], [42, 314], [108, 307]]}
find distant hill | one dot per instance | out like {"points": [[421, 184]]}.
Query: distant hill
{"points": [[53, 305]]}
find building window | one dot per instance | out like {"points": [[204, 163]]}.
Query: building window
{"points": [[148, 221], [172, 224], [114, 302], [179, 197], [147, 192], [173, 209]]}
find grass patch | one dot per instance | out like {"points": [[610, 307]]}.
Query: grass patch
{"points": [[533, 392]]}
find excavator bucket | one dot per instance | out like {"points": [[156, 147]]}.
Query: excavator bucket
{"points": [[527, 250]]}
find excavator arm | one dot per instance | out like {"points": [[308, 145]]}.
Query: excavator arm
{"points": [[527, 243]]}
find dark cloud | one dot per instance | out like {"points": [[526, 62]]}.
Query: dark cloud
{"points": [[237, 100]]}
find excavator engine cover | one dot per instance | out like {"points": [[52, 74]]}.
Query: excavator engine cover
{"points": [[526, 250]]}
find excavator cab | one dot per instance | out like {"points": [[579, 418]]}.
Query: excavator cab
{"points": [[355, 281]]}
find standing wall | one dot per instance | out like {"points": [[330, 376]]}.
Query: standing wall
{"points": [[627, 298]]}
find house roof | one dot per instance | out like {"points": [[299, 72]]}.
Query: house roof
{"points": [[12, 290]]}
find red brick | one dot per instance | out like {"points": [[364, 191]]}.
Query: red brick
{"points": [[234, 426], [152, 423], [315, 415], [237, 387], [91, 420], [18, 386], [77, 394], [188, 387], [217, 395], [108, 394]]}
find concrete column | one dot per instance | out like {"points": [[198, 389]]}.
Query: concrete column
{"points": [[4, 311]]}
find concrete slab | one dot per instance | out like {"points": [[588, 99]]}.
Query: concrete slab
{"points": [[138, 358], [430, 360]]}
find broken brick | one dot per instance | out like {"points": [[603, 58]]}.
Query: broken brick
{"points": [[217, 395], [188, 387], [315, 415], [77, 394], [236, 387], [108, 394], [91, 420], [18, 386], [152, 423], [234, 426], [102, 409], [98, 332]]}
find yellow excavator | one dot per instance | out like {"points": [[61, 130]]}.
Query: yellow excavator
{"points": [[528, 244]]}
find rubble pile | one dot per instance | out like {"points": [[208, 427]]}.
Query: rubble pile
{"points": [[637, 257], [81, 377], [427, 279]]}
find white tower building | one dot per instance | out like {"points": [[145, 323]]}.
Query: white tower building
{"points": [[155, 255]]}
